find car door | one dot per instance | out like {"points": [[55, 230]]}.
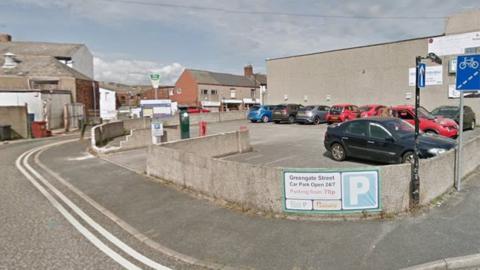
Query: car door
{"points": [[355, 138], [381, 144]]}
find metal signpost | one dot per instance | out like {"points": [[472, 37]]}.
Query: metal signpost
{"points": [[155, 79], [468, 79], [420, 81]]}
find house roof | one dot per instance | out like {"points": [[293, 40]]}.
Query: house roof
{"points": [[119, 87], [40, 66], [216, 78], [59, 50]]}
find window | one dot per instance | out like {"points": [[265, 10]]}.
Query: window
{"points": [[252, 93], [205, 92], [213, 92], [233, 93], [44, 84], [179, 91], [358, 128], [378, 132], [404, 114]]}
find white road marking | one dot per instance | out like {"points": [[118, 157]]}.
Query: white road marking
{"points": [[79, 227], [84, 157], [280, 159], [127, 249]]}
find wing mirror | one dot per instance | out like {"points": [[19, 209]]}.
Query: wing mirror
{"points": [[390, 139]]}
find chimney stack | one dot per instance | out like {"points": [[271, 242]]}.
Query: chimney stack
{"points": [[248, 71], [10, 61], [5, 37]]}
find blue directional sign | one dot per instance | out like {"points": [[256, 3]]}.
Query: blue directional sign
{"points": [[468, 72], [422, 68]]}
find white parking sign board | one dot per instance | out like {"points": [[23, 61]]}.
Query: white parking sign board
{"points": [[330, 191]]}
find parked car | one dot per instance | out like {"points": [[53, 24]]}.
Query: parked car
{"points": [[285, 113], [261, 113], [428, 122], [371, 110], [453, 112], [382, 139], [313, 114], [342, 112]]}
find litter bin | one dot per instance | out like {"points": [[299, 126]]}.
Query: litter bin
{"points": [[184, 124], [5, 132], [39, 129]]}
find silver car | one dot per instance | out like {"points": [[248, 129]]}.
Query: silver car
{"points": [[312, 114]]}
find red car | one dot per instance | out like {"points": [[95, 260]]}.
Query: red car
{"points": [[342, 112], [428, 123], [371, 110]]}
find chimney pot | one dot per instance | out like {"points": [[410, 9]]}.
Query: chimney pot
{"points": [[248, 71], [5, 37]]}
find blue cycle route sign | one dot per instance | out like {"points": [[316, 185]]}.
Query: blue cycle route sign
{"points": [[422, 69], [468, 73]]}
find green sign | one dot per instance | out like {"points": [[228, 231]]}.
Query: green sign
{"points": [[155, 79]]}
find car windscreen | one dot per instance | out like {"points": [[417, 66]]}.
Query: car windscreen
{"points": [[308, 108], [364, 108], [337, 109], [399, 127], [446, 111], [423, 113], [254, 108], [280, 107]]}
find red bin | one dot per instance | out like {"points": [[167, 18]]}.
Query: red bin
{"points": [[39, 129]]}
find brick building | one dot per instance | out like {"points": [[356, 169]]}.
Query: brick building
{"points": [[130, 95], [218, 91]]}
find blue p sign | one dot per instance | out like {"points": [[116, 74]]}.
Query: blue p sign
{"points": [[360, 190]]}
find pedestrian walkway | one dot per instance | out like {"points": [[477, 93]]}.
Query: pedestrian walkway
{"points": [[203, 230]]}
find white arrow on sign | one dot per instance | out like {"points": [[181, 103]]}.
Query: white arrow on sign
{"points": [[421, 73]]}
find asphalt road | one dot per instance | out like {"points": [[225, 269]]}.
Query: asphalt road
{"points": [[206, 232], [34, 234]]}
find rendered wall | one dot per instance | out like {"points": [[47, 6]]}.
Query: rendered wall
{"points": [[16, 117], [101, 134]]}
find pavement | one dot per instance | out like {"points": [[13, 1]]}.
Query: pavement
{"points": [[201, 230]]}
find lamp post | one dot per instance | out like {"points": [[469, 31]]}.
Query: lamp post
{"points": [[415, 177]]}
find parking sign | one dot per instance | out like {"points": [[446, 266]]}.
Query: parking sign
{"points": [[360, 190]]}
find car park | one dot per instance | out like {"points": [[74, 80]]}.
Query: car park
{"points": [[371, 110], [381, 139], [312, 114], [262, 113], [428, 122], [453, 112], [342, 112], [285, 113]]}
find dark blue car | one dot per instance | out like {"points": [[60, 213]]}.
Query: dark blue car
{"points": [[261, 113], [385, 140]]}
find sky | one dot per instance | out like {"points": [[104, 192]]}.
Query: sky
{"points": [[131, 38]]}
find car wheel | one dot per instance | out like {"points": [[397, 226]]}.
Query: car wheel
{"points": [[316, 121], [472, 125], [338, 152], [408, 157], [265, 119], [277, 122], [253, 121], [291, 119]]}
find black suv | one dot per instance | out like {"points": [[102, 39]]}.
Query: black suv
{"points": [[285, 113]]}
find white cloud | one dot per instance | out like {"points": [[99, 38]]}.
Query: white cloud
{"points": [[134, 71]]}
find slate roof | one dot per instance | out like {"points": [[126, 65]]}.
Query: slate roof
{"points": [[216, 78], [40, 66], [60, 50]]}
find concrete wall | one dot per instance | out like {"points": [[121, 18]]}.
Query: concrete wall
{"points": [[140, 138], [101, 134], [211, 117], [17, 118]]}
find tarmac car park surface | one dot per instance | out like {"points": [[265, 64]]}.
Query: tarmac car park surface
{"points": [[285, 145]]}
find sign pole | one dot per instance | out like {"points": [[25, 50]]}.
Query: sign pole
{"points": [[458, 158], [415, 181]]}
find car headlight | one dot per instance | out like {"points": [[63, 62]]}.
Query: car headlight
{"points": [[436, 151]]}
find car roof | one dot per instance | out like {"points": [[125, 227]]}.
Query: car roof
{"points": [[400, 107], [342, 105], [375, 119]]}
